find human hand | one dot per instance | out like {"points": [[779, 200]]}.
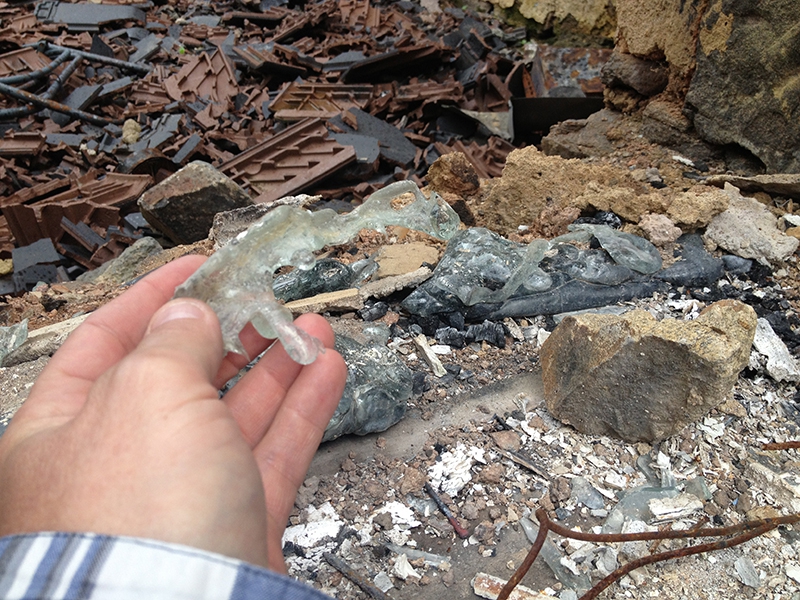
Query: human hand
{"points": [[123, 433]]}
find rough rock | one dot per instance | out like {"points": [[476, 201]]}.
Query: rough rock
{"points": [[455, 174], [43, 341], [780, 364], [664, 123], [399, 259], [131, 130], [781, 184], [183, 206], [660, 30], [126, 266], [659, 229], [639, 379], [696, 207], [647, 77], [593, 17], [748, 229], [581, 138], [745, 89], [624, 202], [533, 181]]}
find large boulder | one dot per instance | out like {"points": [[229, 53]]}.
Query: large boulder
{"points": [[640, 379], [732, 80], [745, 89]]}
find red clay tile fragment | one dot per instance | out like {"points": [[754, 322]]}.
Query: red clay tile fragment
{"points": [[22, 143], [298, 101], [289, 162]]}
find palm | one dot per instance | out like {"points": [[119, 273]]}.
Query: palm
{"points": [[143, 446]]}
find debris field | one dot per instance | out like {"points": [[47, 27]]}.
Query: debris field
{"points": [[101, 101]]}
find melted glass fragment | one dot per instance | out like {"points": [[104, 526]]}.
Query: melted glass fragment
{"points": [[379, 386], [237, 281], [626, 249], [481, 271]]}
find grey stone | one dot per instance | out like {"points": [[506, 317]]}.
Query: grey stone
{"points": [[780, 364], [640, 379], [584, 493], [127, 265], [11, 338], [183, 206], [43, 341], [634, 507], [747, 572], [748, 229], [647, 77], [745, 89], [698, 487], [581, 138]]}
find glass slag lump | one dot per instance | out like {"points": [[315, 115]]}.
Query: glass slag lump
{"points": [[495, 278], [237, 280]]}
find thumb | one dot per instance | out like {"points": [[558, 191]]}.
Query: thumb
{"points": [[179, 355]]}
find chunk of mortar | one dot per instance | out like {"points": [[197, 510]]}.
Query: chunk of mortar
{"points": [[749, 230], [639, 379]]}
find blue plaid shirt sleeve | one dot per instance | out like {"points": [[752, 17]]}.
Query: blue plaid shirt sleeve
{"points": [[87, 566]]}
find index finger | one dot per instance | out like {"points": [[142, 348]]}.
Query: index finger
{"points": [[105, 338]]}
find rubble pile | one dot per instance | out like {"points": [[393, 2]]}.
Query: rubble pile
{"points": [[98, 102]]}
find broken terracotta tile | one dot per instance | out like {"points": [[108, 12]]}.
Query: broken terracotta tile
{"points": [[24, 60], [289, 162], [204, 76], [22, 144], [299, 101]]}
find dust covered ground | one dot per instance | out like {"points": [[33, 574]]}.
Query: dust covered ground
{"points": [[364, 497]]}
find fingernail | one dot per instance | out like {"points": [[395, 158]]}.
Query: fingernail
{"points": [[181, 308]]}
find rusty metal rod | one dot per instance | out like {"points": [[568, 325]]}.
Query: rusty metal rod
{"points": [[52, 105], [345, 569], [781, 445], [46, 47], [746, 531], [59, 82], [43, 72], [459, 529], [670, 554], [666, 535], [526, 565]]}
